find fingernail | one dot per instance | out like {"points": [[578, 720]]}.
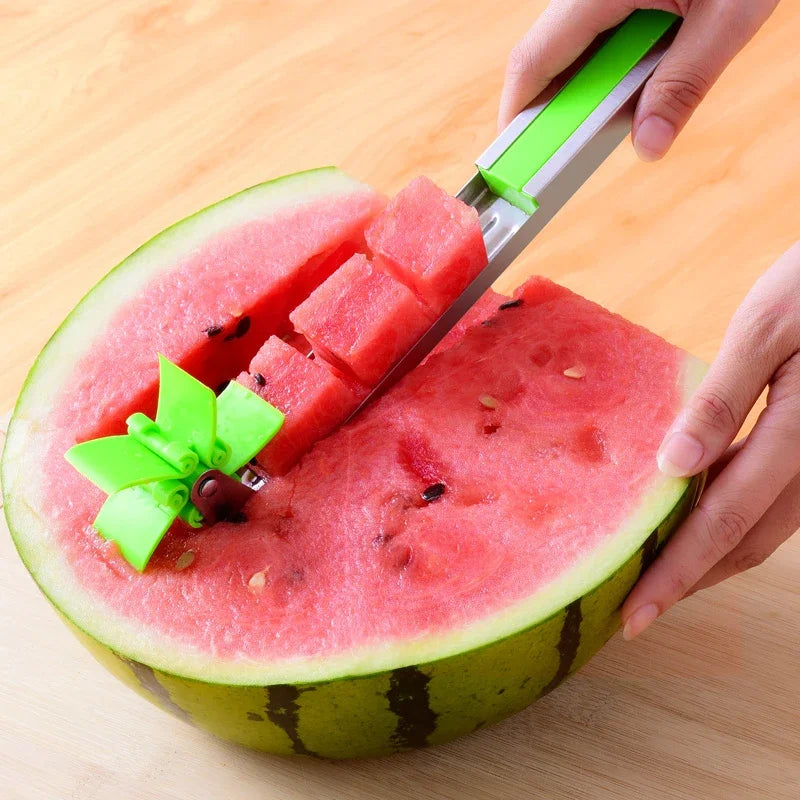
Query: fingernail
{"points": [[639, 620], [679, 454], [653, 138]]}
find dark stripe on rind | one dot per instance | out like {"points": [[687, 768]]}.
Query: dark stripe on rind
{"points": [[567, 643], [148, 680], [282, 710], [409, 699], [649, 551], [699, 486]]}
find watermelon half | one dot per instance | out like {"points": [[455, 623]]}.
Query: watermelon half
{"points": [[435, 565]]}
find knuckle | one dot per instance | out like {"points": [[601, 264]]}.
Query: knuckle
{"points": [[785, 384], [723, 529], [683, 90], [520, 60], [784, 428], [713, 411], [761, 329], [679, 583]]}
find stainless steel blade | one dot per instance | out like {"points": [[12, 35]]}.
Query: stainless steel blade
{"points": [[507, 230]]}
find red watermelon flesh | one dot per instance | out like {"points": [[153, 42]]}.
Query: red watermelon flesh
{"points": [[313, 399], [343, 551], [361, 319], [429, 241], [486, 307], [224, 299]]}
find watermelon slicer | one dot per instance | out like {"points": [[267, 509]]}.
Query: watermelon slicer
{"points": [[183, 463], [546, 154]]}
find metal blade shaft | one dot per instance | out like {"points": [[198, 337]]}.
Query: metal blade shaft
{"points": [[507, 229]]}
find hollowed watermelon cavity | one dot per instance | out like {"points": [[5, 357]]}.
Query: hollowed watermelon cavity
{"points": [[348, 616]]}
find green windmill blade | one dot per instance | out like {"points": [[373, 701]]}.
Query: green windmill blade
{"points": [[150, 473], [114, 463], [245, 422], [187, 413], [136, 522]]}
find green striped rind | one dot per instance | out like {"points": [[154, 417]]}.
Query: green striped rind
{"points": [[413, 705]]}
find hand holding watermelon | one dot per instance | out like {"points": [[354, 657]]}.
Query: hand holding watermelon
{"points": [[752, 505]]}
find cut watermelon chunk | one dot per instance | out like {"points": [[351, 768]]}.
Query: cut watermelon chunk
{"points": [[361, 320], [430, 241], [453, 554], [313, 399]]}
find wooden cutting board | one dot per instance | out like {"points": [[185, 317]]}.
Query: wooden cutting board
{"points": [[120, 118]]}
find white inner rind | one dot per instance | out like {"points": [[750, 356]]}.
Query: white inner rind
{"points": [[27, 442]]}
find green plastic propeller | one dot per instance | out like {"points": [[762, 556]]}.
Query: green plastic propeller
{"points": [[149, 472]]}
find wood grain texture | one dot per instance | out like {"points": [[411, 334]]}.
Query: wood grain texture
{"points": [[119, 118]]}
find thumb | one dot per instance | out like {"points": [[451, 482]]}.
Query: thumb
{"points": [[762, 336], [713, 416], [708, 39]]}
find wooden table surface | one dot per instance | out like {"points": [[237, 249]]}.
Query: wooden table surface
{"points": [[121, 117]]}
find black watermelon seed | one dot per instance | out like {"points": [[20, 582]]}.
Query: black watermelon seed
{"points": [[259, 379], [510, 304], [433, 492], [222, 387], [213, 330], [241, 329]]}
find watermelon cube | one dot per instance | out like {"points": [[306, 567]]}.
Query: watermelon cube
{"points": [[361, 320], [314, 400], [430, 241]]}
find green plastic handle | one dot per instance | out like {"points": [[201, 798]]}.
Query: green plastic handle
{"points": [[579, 97]]}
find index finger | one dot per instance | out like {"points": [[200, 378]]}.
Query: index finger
{"points": [[732, 505]]}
